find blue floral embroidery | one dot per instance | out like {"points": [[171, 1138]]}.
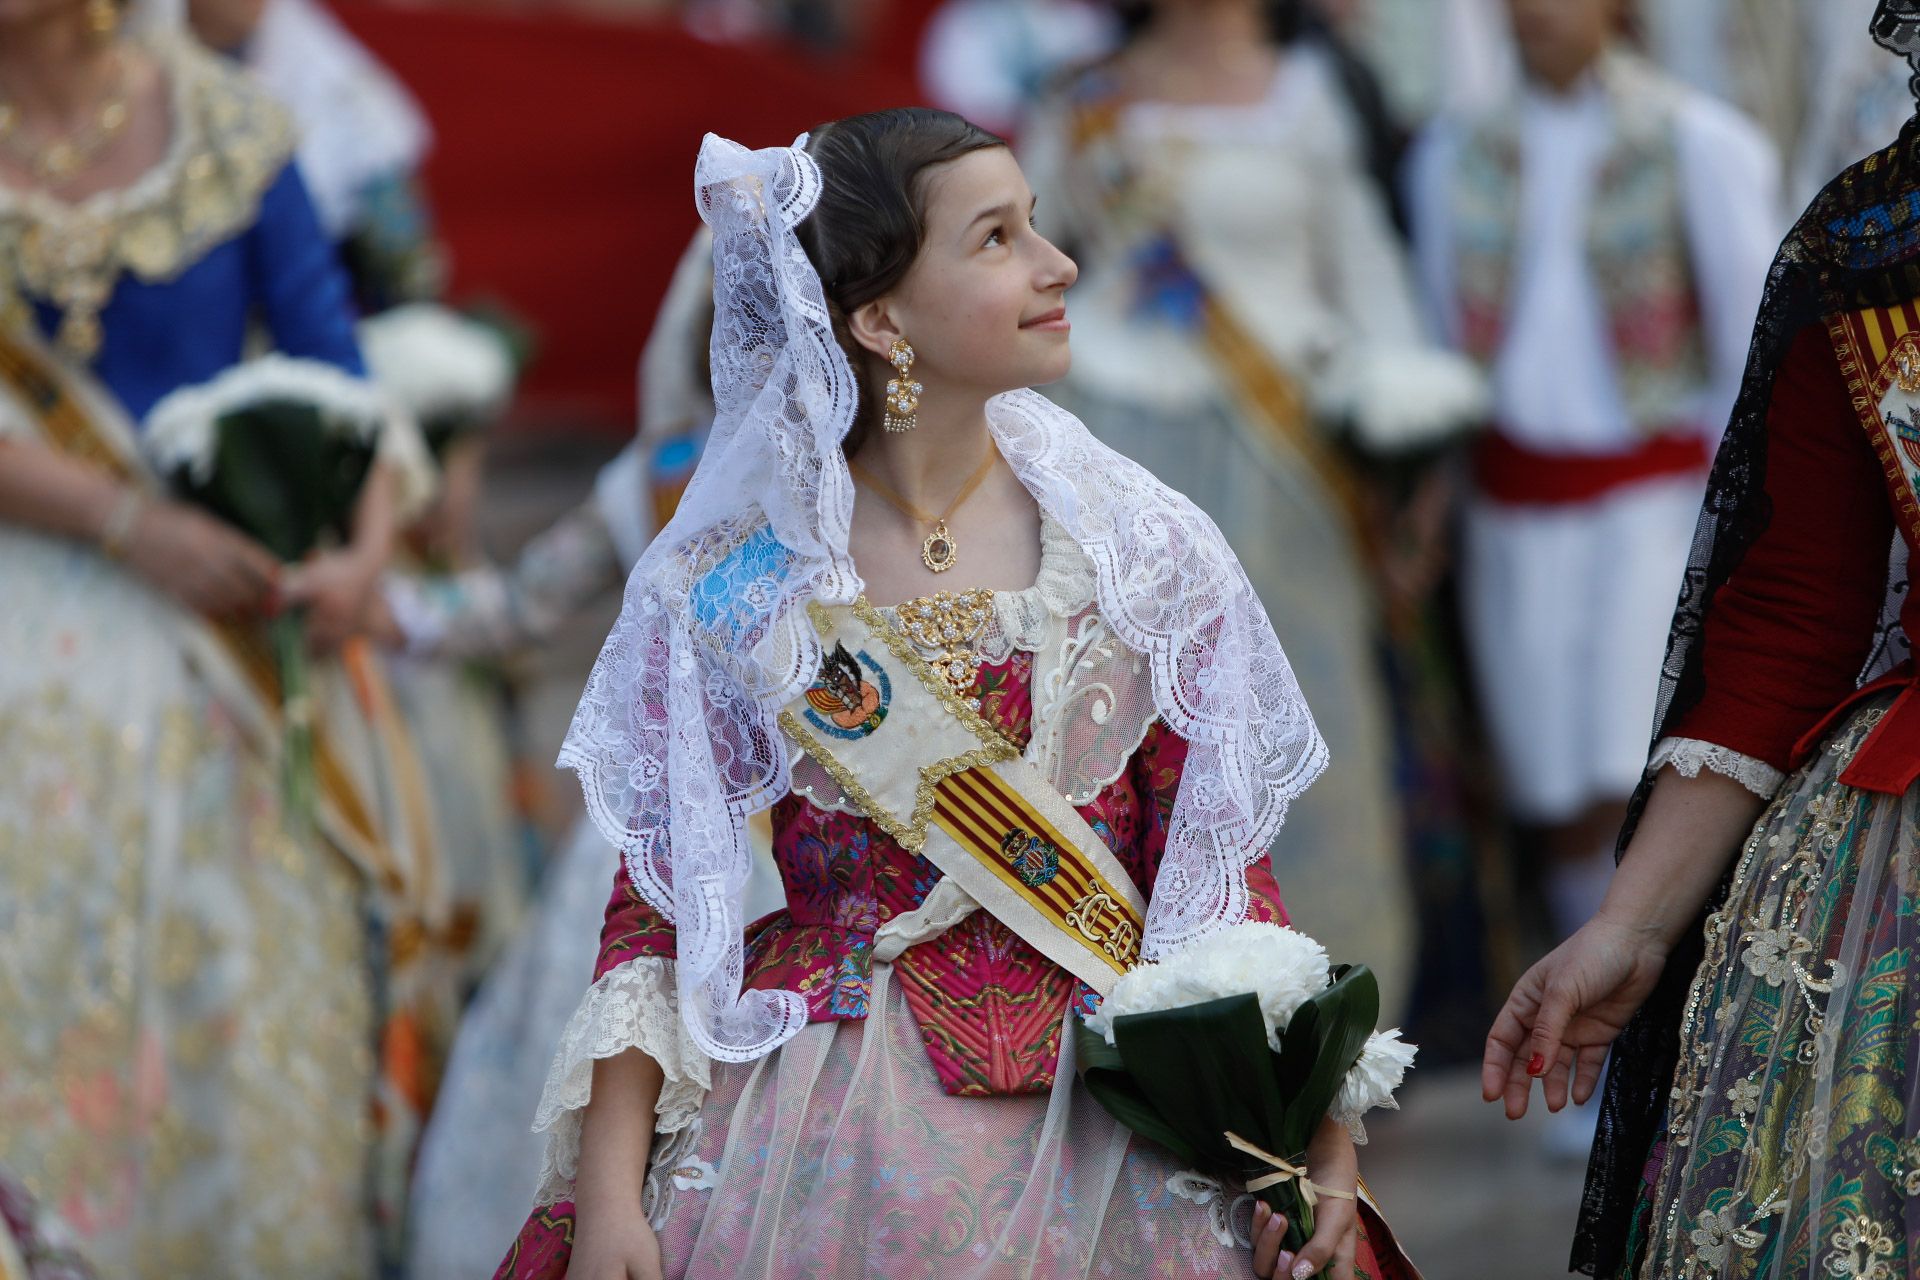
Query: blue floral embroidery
{"points": [[1879, 234], [734, 601], [853, 984]]}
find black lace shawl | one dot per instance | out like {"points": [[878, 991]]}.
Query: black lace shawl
{"points": [[1857, 246]]}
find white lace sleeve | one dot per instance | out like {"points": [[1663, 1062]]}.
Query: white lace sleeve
{"points": [[1690, 755], [633, 1006]]}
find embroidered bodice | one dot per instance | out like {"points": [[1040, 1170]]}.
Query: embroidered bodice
{"points": [[220, 231], [989, 1006]]}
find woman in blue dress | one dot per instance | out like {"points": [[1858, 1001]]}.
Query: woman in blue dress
{"points": [[188, 1066]]}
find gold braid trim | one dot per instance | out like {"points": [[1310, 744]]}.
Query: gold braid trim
{"points": [[936, 684], [995, 746]]}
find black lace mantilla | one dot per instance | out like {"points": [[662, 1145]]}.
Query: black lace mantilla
{"points": [[1857, 246]]}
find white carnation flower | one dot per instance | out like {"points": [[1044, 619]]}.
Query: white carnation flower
{"points": [[1371, 1082], [433, 360], [179, 431], [1282, 966]]}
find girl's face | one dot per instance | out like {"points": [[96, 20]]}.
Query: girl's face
{"points": [[984, 305]]}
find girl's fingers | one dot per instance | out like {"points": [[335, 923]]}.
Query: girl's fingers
{"points": [[1269, 1229], [1336, 1223]]}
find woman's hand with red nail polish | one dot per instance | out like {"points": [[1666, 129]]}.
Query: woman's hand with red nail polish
{"points": [[1565, 1012]]}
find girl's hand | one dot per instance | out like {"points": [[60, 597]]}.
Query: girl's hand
{"points": [[1331, 1163], [614, 1244], [1564, 1013], [335, 588]]}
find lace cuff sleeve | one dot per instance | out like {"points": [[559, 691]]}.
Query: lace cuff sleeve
{"points": [[1690, 755], [632, 1006]]}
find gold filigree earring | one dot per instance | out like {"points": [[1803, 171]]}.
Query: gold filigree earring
{"points": [[903, 393]]}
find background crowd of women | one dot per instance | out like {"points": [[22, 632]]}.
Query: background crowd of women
{"points": [[226, 1032]]}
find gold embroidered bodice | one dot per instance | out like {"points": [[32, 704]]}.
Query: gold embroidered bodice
{"points": [[230, 141]]}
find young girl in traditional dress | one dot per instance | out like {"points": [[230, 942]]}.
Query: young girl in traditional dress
{"points": [[1016, 709]]}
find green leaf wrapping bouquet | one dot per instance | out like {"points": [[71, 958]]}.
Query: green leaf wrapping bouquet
{"points": [[280, 448], [1232, 1051]]}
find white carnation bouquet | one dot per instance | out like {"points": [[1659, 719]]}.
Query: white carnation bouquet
{"points": [[1238, 1047], [453, 373]]}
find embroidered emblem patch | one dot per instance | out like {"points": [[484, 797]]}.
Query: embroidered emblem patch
{"points": [[1908, 434], [843, 703], [1034, 861]]}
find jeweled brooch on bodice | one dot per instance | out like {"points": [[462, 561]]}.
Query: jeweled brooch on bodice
{"points": [[946, 628]]}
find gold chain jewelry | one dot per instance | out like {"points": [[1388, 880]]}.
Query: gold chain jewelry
{"points": [[946, 627], [939, 552], [903, 393], [61, 158]]}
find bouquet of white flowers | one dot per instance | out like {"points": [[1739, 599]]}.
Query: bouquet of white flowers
{"points": [[1232, 1051], [454, 373], [279, 448]]}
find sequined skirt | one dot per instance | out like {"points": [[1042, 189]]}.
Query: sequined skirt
{"points": [[1792, 1146]]}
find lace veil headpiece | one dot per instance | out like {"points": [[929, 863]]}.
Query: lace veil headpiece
{"points": [[675, 739]]}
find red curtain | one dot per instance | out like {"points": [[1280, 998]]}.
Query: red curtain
{"points": [[562, 171]]}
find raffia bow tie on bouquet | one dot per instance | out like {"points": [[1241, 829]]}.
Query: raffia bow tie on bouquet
{"points": [[278, 448], [1232, 1051]]}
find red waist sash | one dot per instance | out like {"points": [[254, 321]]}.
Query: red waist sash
{"points": [[1512, 473]]}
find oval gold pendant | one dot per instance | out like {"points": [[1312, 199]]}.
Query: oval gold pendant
{"points": [[938, 552]]}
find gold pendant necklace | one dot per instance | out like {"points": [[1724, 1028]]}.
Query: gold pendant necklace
{"points": [[939, 552], [61, 158]]}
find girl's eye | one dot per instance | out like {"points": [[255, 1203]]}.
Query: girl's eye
{"points": [[993, 238]]}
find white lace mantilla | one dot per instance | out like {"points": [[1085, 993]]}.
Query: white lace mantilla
{"points": [[633, 1006], [1688, 756]]}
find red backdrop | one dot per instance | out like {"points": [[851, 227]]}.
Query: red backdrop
{"points": [[562, 172]]}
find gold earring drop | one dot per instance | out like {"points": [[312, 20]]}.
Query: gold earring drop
{"points": [[903, 393], [103, 18]]}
